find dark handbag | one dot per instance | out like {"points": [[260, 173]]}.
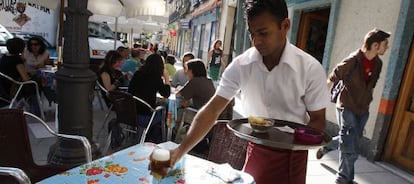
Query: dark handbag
{"points": [[337, 86], [335, 90]]}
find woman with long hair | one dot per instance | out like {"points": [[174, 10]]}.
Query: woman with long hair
{"points": [[215, 56], [150, 79], [110, 75]]}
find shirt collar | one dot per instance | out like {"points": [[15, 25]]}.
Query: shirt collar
{"points": [[288, 57]]}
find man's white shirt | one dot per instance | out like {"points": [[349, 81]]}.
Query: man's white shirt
{"points": [[293, 87]]}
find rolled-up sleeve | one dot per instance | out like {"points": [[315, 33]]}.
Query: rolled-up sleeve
{"points": [[229, 84]]}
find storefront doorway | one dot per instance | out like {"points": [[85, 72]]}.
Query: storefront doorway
{"points": [[399, 149], [312, 32]]}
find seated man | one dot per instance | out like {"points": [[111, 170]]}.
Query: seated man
{"points": [[180, 78], [199, 88], [131, 65]]}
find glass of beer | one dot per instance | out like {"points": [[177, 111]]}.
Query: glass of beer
{"points": [[159, 163]]}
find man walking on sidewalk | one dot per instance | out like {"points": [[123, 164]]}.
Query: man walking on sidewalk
{"points": [[359, 72]]}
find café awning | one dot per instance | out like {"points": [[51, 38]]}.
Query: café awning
{"points": [[116, 8]]}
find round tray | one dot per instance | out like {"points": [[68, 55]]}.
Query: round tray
{"points": [[276, 137]]}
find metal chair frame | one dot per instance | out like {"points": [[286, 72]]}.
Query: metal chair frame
{"points": [[16, 173], [183, 117], [108, 113], [145, 131], [18, 153], [21, 84], [82, 139]]}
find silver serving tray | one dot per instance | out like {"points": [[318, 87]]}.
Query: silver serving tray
{"points": [[274, 137]]}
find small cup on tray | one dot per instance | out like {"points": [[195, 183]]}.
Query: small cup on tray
{"points": [[260, 125], [308, 136]]}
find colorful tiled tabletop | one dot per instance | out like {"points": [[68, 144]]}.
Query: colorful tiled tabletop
{"points": [[131, 166]]}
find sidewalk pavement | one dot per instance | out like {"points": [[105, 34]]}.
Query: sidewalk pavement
{"points": [[318, 171]]}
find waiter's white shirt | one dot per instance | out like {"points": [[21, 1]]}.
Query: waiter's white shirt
{"points": [[293, 87]]}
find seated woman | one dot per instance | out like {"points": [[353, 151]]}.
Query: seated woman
{"points": [[199, 88], [12, 65], [110, 75], [35, 55], [145, 84]]}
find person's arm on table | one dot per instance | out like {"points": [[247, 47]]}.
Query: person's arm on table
{"points": [[317, 119], [185, 102], [200, 126]]}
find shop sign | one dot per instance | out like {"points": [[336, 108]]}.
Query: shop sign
{"points": [[185, 23]]}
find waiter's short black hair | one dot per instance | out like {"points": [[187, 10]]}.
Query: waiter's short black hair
{"points": [[277, 8]]}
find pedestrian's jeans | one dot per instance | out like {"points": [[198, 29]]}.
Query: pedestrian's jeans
{"points": [[351, 127]]}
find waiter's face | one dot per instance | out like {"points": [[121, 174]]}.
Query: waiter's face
{"points": [[266, 35]]}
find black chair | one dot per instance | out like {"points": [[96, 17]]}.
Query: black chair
{"points": [[124, 105], [225, 147], [184, 123], [16, 150], [13, 175], [105, 95]]}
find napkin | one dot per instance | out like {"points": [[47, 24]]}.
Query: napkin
{"points": [[286, 129], [225, 172]]}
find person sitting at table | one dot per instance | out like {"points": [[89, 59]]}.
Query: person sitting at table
{"points": [[35, 55], [199, 88], [110, 75], [131, 65], [12, 65], [169, 65], [145, 84], [124, 51], [180, 77]]}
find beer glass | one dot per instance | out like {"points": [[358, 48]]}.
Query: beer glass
{"points": [[159, 163]]}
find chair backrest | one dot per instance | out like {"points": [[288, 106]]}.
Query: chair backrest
{"points": [[104, 94], [123, 104], [14, 141], [225, 147], [101, 87], [20, 89], [17, 174]]}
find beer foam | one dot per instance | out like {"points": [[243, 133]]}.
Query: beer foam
{"points": [[161, 154]]}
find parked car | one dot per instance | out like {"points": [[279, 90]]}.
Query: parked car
{"points": [[4, 36], [26, 36]]}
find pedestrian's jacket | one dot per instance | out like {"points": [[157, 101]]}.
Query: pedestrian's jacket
{"points": [[356, 95]]}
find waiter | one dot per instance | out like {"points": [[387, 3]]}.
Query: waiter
{"points": [[276, 80]]}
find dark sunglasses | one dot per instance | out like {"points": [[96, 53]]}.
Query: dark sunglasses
{"points": [[34, 44]]}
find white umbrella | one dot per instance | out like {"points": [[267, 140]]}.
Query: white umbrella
{"points": [[116, 8], [137, 24], [135, 15]]}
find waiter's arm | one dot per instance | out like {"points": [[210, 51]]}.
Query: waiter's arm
{"points": [[200, 126], [317, 119]]}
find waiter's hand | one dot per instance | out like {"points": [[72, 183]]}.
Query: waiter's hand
{"points": [[175, 156]]}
